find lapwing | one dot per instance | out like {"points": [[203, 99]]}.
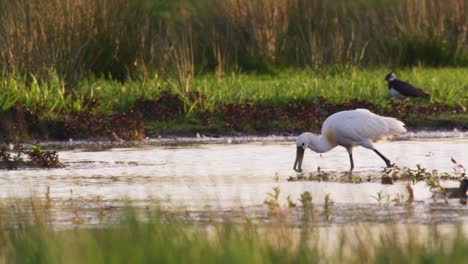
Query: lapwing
{"points": [[402, 90]]}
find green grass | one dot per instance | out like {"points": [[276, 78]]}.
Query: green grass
{"points": [[53, 98], [446, 85], [164, 237], [44, 108]]}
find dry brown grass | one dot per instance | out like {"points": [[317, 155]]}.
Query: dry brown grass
{"points": [[117, 37]]}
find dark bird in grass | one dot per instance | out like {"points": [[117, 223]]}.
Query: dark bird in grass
{"points": [[402, 90], [459, 192]]}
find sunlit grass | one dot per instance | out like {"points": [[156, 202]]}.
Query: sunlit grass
{"points": [[446, 85]]}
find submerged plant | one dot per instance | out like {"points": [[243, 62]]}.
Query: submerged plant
{"points": [[327, 206], [291, 204], [273, 201], [307, 206], [379, 197], [306, 200], [410, 194]]}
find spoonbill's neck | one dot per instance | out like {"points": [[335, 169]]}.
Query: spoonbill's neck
{"points": [[321, 144]]}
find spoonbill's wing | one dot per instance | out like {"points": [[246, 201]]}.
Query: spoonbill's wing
{"points": [[361, 125]]}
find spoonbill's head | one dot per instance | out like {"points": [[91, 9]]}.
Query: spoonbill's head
{"points": [[303, 141], [390, 77]]}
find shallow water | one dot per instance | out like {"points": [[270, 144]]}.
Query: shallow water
{"points": [[226, 177]]}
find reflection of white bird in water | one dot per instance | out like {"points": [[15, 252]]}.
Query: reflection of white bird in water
{"points": [[349, 129]]}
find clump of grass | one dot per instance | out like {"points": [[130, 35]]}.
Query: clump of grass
{"points": [[422, 174], [273, 201], [42, 158], [34, 156]]}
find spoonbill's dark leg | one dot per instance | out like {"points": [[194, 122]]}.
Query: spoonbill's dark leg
{"points": [[387, 161], [299, 158], [350, 173], [350, 153], [351, 160]]}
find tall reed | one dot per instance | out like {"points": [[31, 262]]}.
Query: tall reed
{"points": [[71, 38], [117, 38]]}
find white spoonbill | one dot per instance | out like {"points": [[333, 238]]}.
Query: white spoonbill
{"points": [[349, 129]]}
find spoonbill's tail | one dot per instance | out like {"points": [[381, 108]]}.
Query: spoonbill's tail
{"points": [[394, 126]]}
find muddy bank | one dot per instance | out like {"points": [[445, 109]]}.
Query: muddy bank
{"points": [[194, 139]]}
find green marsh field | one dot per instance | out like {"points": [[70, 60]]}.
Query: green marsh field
{"points": [[445, 85], [210, 62], [212, 102]]}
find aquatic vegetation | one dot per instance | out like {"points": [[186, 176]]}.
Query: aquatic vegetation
{"points": [[459, 168], [399, 199], [306, 205], [387, 175], [306, 199], [273, 201], [33, 156], [327, 207], [379, 197], [8, 160], [291, 204], [42, 158], [325, 176], [422, 174]]}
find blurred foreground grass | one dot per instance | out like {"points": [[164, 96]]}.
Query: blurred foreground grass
{"points": [[155, 236]]}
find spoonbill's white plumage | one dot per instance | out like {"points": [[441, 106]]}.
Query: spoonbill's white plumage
{"points": [[349, 129]]}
